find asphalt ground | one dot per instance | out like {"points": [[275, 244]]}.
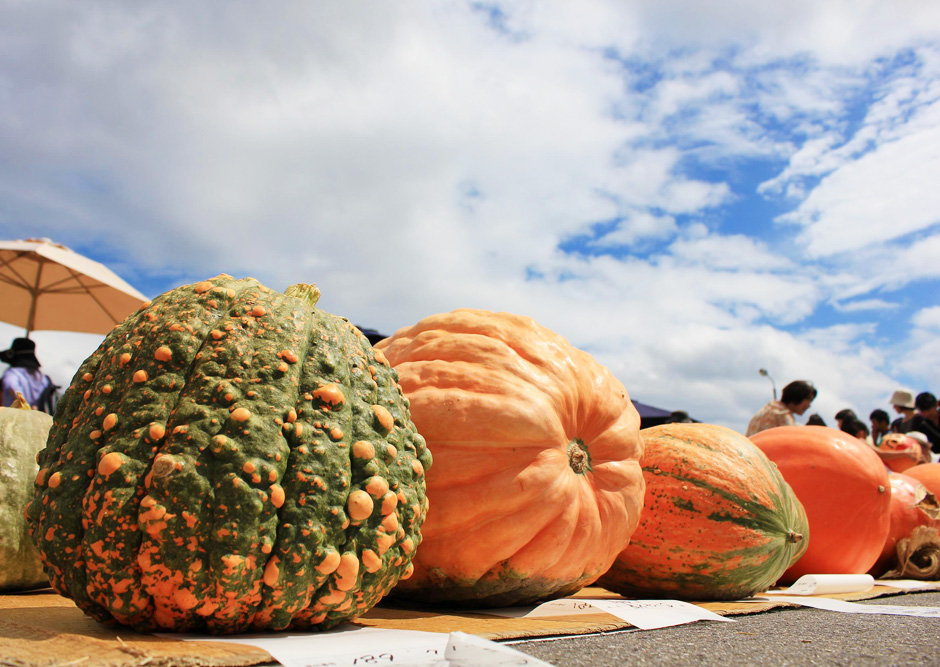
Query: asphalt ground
{"points": [[782, 636]]}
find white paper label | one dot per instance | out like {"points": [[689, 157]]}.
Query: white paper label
{"points": [[643, 614], [828, 584], [856, 608], [465, 650], [373, 647], [907, 584]]}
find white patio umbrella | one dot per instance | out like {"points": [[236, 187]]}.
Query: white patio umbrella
{"points": [[46, 286]]}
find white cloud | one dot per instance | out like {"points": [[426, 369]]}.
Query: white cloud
{"points": [[865, 304], [635, 227], [881, 196], [736, 252], [928, 319]]}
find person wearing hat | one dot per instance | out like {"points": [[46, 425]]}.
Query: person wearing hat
{"points": [[25, 377], [902, 401], [924, 420]]}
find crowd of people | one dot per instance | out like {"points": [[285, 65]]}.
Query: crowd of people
{"points": [[917, 417]]}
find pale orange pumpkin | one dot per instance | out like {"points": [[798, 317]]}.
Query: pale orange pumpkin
{"points": [[536, 485], [843, 486]]}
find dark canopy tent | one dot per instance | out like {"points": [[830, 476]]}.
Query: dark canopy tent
{"points": [[651, 416], [373, 335]]}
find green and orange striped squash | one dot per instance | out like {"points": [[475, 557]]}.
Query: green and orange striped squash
{"points": [[718, 523], [536, 484], [230, 459]]}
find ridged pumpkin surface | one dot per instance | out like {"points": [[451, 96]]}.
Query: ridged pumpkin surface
{"points": [[536, 484], [718, 522], [843, 486], [230, 458]]}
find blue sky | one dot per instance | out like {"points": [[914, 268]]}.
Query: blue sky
{"points": [[689, 193]]}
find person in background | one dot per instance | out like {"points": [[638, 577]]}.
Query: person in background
{"points": [[795, 399], [924, 420], [845, 414], [25, 377], [815, 420], [902, 401], [856, 427], [880, 424]]}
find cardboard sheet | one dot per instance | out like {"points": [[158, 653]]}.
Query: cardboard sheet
{"points": [[43, 628]]}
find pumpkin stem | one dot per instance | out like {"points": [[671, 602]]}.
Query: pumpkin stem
{"points": [[794, 537], [918, 555], [308, 293], [578, 457]]}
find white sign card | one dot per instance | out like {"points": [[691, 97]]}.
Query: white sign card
{"points": [[350, 646], [828, 584], [856, 608], [643, 614]]}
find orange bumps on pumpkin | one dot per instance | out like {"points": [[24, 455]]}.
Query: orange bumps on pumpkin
{"points": [[330, 394], [271, 572], [377, 487], [277, 495], [362, 449], [389, 503], [289, 356], [241, 414], [140, 376], [329, 563], [347, 571], [384, 417], [371, 560], [359, 506], [163, 353], [110, 463], [156, 432]]}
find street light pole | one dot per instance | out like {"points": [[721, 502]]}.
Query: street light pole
{"points": [[763, 371]]}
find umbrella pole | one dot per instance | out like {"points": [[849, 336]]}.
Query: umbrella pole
{"points": [[34, 292]]}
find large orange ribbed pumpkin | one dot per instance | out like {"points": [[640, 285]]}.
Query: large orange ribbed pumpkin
{"points": [[843, 486], [536, 484]]}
